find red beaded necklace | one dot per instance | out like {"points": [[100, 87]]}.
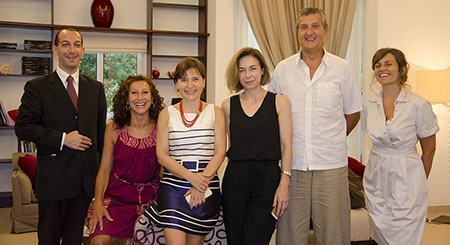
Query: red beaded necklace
{"points": [[186, 122]]}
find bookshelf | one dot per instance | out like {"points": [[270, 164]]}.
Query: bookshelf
{"points": [[40, 20]]}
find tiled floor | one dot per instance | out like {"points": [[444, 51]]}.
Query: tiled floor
{"points": [[434, 234]]}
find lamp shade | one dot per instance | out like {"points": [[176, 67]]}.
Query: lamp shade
{"points": [[433, 85]]}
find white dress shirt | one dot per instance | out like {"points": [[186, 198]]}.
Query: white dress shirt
{"points": [[64, 75], [318, 108]]}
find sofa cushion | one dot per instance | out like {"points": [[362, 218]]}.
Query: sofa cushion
{"points": [[356, 190], [356, 167], [28, 165]]}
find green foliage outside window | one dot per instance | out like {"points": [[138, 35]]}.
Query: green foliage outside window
{"points": [[88, 65], [116, 67]]}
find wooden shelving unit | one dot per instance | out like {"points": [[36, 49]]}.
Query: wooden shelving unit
{"points": [[18, 75], [97, 29], [25, 51], [152, 6], [6, 160], [201, 35]]}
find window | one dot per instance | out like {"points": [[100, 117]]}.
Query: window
{"points": [[110, 68]]}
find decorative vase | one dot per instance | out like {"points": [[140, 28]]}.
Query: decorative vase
{"points": [[102, 13]]}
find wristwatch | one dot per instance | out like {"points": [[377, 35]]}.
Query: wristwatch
{"points": [[288, 173]]}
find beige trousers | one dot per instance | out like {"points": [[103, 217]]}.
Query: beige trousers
{"points": [[320, 195]]}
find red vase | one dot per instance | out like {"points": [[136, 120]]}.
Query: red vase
{"points": [[102, 13]]}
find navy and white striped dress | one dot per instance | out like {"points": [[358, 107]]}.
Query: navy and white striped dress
{"points": [[193, 148]]}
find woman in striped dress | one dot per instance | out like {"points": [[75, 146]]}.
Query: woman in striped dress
{"points": [[191, 147]]}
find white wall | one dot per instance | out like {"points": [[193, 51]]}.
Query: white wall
{"points": [[220, 47], [127, 14], [220, 50], [421, 30]]}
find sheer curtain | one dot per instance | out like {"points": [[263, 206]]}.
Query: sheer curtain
{"points": [[273, 23]]}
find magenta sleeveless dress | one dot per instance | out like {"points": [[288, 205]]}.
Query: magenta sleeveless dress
{"points": [[133, 183]]}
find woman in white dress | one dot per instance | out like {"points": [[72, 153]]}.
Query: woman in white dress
{"points": [[395, 180]]}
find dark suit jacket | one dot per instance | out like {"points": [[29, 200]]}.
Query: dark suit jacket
{"points": [[45, 113]]}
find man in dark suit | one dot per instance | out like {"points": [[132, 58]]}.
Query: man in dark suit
{"points": [[64, 113]]}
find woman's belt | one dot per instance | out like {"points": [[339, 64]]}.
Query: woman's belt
{"points": [[394, 152], [194, 165], [139, 186]]}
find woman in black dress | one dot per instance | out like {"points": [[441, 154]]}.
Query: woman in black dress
{"points": [[259, 126]]}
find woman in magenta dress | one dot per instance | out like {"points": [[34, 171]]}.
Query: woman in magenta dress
{"points": [[128, 178]]}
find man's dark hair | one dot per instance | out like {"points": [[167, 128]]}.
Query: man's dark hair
{"points": [[312, 10], [67, 29]]}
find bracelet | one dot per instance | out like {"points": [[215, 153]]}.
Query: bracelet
{"points": [[288, 173]]}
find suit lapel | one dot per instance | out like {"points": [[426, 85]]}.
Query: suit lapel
{"points": [[57, 87]]}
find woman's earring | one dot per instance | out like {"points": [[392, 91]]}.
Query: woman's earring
{"points": [[178, 90], [152, 106], [127, 107]]}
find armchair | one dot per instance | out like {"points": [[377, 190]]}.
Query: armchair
{"points": [[24, 213]]}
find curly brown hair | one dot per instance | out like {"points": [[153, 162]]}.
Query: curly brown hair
{"points": [[122, 115]]}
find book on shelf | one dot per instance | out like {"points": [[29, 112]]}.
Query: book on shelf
{"points": [[6, 45], [5, 120], [35, 65], [37, 45], [25, 146]]}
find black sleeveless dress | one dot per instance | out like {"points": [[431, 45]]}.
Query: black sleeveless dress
{"points": [[257, 137], [252, 175]]}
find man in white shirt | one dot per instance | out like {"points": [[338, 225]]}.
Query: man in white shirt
{"points": [[326, 104]]}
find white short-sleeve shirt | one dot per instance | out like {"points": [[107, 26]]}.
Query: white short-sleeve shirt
{"points": [[318, 108], [413, 119]]}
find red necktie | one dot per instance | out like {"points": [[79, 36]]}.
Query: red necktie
{"points": [[72, 93]]}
